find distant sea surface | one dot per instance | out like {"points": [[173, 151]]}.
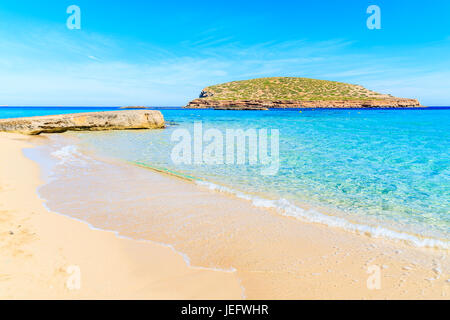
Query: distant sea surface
{"points": [[382, 171], [18, 112]]}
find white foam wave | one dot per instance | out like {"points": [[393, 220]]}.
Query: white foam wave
{"points": [[69, 155], [284, 207]]}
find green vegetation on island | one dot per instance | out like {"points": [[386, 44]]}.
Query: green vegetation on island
{"points": [[289, 88]]}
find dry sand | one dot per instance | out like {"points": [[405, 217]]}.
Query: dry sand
{"points": [[41, 251]]}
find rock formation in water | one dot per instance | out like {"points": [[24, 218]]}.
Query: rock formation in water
{"points": [[133, 107], [89, 121], [288, 92]]}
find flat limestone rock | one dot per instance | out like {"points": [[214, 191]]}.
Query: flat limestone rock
{"points": [[89, 121]]}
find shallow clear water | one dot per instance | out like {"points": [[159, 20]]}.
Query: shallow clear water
{"points": [[385, 169], [381, 168]]}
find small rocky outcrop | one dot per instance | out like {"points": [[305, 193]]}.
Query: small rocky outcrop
{"points": [[133, 107], [90, 121], [205, 94]]}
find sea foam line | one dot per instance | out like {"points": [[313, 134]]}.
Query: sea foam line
{"points": [[70, 154], [282, 206], [286, 208], [118, 234]]}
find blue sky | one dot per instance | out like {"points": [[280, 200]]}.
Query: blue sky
{"points": [[162, 53]]}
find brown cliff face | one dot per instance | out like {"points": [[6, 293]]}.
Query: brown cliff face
{"points": [[205, 103]]}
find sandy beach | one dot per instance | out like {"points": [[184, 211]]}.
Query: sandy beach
{"points": [[275, 257], [42, 251], [255, 154]]}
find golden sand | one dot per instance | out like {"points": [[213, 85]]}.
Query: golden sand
{"points": [[41, 252]]}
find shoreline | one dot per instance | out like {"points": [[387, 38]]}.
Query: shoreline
{"points": [[41, 248], [306, 261], [317, 216], [276, 257]]}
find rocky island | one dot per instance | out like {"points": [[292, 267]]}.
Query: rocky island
{"points": [[133, 107], [291, 92], [89, 121]]}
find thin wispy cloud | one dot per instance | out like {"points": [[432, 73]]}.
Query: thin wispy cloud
{"points": [[48, 65]]}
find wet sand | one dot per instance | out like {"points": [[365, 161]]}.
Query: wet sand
{"points": [[275, 257], [42, 252]]}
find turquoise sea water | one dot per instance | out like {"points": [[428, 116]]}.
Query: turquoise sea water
{"points": [[18, 112], [384, 171]]}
